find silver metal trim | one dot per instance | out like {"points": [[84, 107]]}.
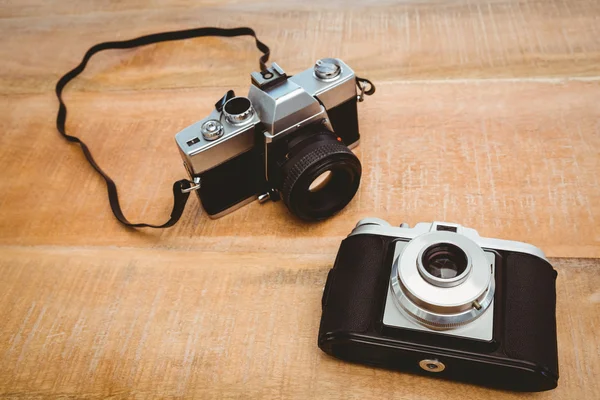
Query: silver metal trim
{"points": [[440, 321], [207, 154], [277, 68], [442, 307], [427, 363], [263, 198], [197, 185], [329, 92], [442, 282], [320, 116], [283, 106], [479, 329], [361, 96], [212, 130], [321, 71], [239, 118], [424, 227], [275, 71], [395, 316]]}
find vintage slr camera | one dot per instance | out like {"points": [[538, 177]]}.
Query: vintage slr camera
{"points": [[438, 299], [290, 138]]}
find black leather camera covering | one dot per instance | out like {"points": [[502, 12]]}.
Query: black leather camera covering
{"points": [[356, 285], [344, 120], [530, 316], [227, 184], [522, 355]]}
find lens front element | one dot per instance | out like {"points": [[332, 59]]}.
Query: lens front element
{"points": [[443, 264], [321, 181]]}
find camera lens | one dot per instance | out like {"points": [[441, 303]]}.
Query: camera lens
{"points": [[443, 280], [321, 175], [444, 260]]}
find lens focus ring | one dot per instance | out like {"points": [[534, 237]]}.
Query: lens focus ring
{"points": [[437, 305], [332, 156]]}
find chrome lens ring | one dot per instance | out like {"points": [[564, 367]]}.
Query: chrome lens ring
{"points": [[442, 307], [461, 276]]}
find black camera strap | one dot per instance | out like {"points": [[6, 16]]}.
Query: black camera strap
{"points": [[181, 188]]}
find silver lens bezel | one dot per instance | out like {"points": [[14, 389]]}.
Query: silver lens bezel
{"points": [[443, 282], [442, 307]]}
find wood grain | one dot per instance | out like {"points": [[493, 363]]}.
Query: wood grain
{"points": [[487, 113], [115, 322], [384, 39], [515, 160]]}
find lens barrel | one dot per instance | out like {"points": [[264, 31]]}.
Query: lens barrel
{"points": [[443, 280], [444, 261], [319, 153]]}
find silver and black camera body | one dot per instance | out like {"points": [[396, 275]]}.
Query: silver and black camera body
{"points": [[290, 139], [440, 300]]}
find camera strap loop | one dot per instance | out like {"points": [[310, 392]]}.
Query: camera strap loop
{"points": [[181, 188], [363, 84]]}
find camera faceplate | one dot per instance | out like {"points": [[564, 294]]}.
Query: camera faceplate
{"points": [[395, 316]]}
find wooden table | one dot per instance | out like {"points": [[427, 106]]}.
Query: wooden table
{"points": [[486, 113]]}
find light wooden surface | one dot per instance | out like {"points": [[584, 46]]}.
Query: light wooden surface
{"points": [[486, 113]]}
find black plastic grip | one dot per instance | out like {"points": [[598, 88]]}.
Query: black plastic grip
{"points": [[355, 285], [530, 317], [231, 182]]}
